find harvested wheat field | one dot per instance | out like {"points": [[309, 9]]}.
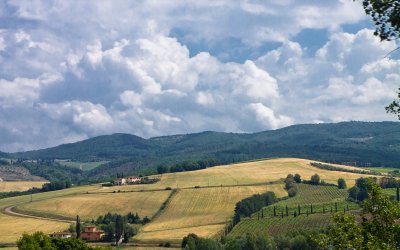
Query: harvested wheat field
{"points": [[244, 174], [8, 186], [203, 211], [12, 227], [90, 206]]}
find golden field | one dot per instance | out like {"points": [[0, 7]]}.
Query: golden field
{"points": [[90, 206], [203, 210], [12, 227], [8, 186], [244, 174]]}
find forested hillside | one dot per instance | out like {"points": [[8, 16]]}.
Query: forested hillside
{"points": [[375, 143]]}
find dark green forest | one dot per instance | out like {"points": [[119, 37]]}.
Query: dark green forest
{"points": [[362, 143]]}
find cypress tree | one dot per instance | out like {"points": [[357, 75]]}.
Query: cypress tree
{"points": [[335, 206], [398, 193], [119, 228], [311, 209], [287, 211], [78, 227], [298, 208], [274, 211]]}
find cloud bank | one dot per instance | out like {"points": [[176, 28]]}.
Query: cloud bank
{"points": [[71, 70]]}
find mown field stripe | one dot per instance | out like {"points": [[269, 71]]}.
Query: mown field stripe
{"points": [[165, 204], [14, 211]]}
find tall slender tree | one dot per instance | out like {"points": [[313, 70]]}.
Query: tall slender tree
{"points": [[119, 228], [78, 227]]}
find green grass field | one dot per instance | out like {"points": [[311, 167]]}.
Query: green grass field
{"points": [[81, 165], [325, 200], [381, 169], [280, 226]]}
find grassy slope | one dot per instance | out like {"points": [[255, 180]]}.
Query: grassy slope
{"points": [[12, 227], [307, 194], [244, 174], [7, 186], [203, 211]]}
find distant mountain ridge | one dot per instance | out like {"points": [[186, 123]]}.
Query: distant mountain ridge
{"points": [[377, 143]]}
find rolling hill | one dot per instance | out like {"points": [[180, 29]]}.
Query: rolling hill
{"points": [[200, 202], [374, 143]]}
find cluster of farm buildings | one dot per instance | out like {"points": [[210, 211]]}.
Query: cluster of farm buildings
{"points": [[128, 180], [90, 233]]}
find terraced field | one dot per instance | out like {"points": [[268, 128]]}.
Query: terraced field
{"points": [[203, 211], [90, 206], [8, 186]]}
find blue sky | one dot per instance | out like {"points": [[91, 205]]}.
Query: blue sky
{"points": [[70, 70]]}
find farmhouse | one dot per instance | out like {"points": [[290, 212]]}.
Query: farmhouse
{"points": [[63, 235], [120, 181], [128, 180], [90, 233], [133, 179]]}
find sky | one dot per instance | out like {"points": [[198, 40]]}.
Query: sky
{"points": [[71, 70]]}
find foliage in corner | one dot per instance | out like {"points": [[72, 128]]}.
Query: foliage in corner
{"points": [[385, 15], [376, 228], [394, 107]]}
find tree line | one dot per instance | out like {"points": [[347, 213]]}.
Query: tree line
{"points": [[292, 241], [334, 168], [250, 205], [359, 192], [52, 186], [39, 240], [187, 166]]}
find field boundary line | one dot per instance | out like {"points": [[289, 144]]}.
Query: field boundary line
{"points": [[10, 211], [165, 204], [194, 187], [194, 226]]}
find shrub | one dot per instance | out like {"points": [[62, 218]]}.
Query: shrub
{"points": [[292, 191], [315, 179], [297, 178], [341, 183]]}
